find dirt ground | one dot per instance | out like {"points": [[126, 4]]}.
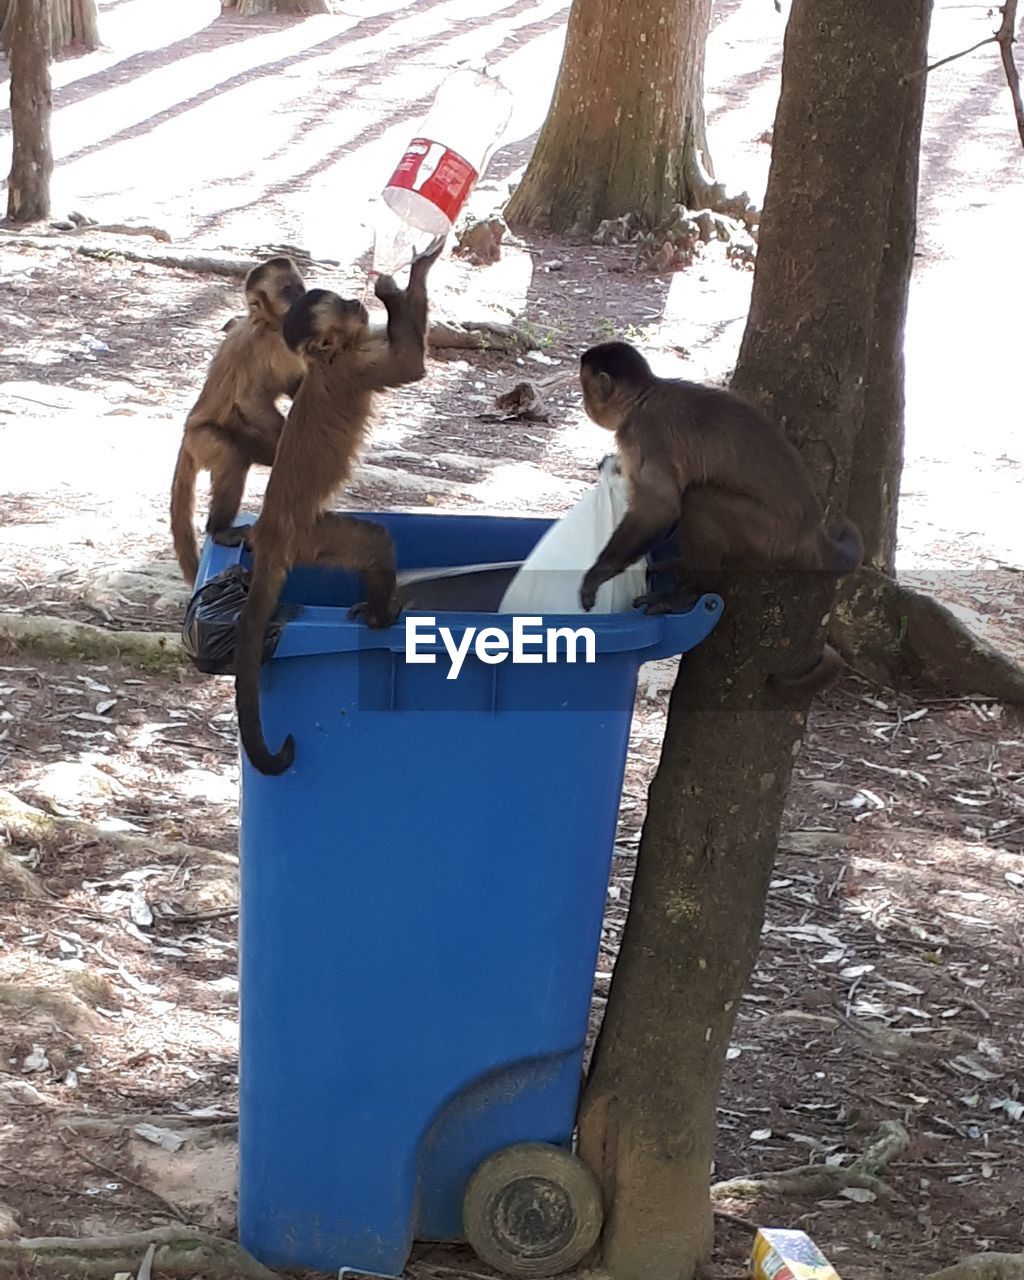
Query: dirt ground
{"points": [[889, 983]]}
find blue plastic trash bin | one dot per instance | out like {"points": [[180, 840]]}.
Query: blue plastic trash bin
{"points": [[421, 904]]}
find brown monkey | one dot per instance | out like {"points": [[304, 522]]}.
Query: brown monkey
{"points": [[705, 460], [346, 364], [236, 422]]}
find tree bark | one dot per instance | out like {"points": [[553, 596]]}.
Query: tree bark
{"points": [[708, 847], [897, 636], [74, 26], [28, 189], [874, 492], [251, 8], [626, 130], [891, 633]]}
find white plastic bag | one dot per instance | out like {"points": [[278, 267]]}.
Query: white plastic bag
{"points": [[551, 576]]}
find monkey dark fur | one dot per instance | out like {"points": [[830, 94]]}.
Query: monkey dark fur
{"points": [[347, 364], [705, 460], [236, 422]]}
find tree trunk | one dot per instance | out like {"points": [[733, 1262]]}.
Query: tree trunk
{"points": [[28, 188], [74, 26], [874, 493], [851, 83], [625, 132], [889, 632], [251, 8], [647, 1122]]}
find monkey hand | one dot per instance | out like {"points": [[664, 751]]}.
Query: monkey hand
{"points": [[422, 262], [654, 602], [375, 616], [588, 591], [675, 601]]}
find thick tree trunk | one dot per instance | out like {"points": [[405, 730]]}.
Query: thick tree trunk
{"points": [[891, 633], [708, 847], [625, 132], [28, 189], [250, 8], [874, 493], [647, 1122], [74, 26]]}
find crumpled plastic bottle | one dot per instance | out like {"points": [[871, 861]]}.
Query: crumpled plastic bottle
{"points": [[441, 164]]}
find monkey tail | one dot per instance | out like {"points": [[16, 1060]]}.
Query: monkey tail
{"points": [[252, 625], [821, 676], [183, 501], [843, 550]]}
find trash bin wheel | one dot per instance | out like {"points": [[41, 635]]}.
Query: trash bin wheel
{"points": [[532, 1210]]}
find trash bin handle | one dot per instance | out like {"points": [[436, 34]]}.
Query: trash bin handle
{"points": [[683, 631]]}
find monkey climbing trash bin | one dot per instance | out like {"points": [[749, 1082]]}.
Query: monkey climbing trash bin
{"points": [[421, 903]]}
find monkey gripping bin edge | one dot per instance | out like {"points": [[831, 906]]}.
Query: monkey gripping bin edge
{"points": [[421, 903]]}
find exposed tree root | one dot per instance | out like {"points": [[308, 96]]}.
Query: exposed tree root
{"points": [[156, 651], [984, 1266], [822, 1180], [253, 8], [180, 1253], [197, 263], [479, 335], [193, 1130], [706, 193], [950, 656], [26, 822], [891, 633], [127, 229]]}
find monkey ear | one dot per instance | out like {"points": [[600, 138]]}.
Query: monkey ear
{"points": [[259, 306], [604, 385]]}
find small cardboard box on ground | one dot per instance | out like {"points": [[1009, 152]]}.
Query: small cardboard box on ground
{"points": [[788, 1255]]}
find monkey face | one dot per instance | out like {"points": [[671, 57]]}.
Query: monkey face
{"points": [[273, 287], [320, 323], [598, 399]]}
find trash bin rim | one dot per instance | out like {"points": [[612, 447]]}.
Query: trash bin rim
{"points": [[322, 629], [314, 630]]}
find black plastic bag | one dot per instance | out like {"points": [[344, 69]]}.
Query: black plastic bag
{"points": [[208, 631]]}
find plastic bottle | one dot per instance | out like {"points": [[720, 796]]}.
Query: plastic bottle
{"points": [[442, 162]]}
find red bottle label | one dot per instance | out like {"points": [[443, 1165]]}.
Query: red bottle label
{"points": [[439, 174]]}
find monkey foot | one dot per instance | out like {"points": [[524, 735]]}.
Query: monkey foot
{"points": [[238, 535], [656, 603], [375, 618]]}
